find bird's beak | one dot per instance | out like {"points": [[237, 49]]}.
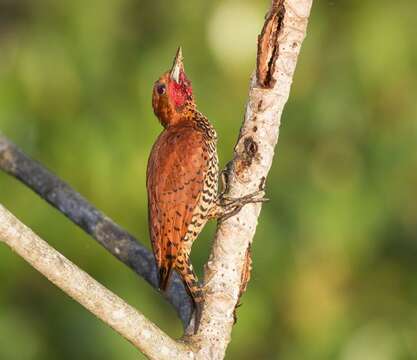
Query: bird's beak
{"points": [[177, 67]]}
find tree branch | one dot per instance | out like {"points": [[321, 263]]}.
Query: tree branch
{"points": [[100, 301], [111, 236], [278, 48]]}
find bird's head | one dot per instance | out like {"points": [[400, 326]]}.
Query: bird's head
{"points": [[172, 93]]}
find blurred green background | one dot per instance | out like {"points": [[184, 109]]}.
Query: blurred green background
{"points": [[335, 254]]}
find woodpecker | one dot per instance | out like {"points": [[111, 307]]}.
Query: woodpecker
{"points": [[182, 181]]}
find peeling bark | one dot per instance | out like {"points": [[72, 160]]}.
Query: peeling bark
{"points": [[268, 45]]}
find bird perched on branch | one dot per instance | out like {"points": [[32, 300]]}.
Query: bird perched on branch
{"points": [[182, 180]]}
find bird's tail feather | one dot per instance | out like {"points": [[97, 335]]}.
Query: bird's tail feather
{"points": [[164, 276], [193, 288]]}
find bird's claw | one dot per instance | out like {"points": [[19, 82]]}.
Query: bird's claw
{"points": [[231, 206], [255, 197]]}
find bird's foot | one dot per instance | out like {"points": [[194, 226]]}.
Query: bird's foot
{"points": [[227, 206]]}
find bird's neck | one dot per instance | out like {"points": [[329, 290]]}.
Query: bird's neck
{"points": [[201, 123], [190, 116]]}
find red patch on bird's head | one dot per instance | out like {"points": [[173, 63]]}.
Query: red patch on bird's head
{"points": [[172, 94], [180, 92]]}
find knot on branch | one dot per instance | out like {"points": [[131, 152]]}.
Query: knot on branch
{"points": [[245, 156]]}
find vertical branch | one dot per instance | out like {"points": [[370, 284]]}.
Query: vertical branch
{"points": [[278, 49]]}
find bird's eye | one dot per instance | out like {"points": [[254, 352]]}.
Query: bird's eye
{"points": [[161, 89]]}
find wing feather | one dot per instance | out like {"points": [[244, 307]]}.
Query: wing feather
{"points": [[175, 178]]}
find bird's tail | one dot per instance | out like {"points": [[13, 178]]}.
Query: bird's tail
{"points": [[185, 269], [164, 276]]}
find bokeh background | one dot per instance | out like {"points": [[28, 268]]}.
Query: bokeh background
{"points": [[335, 254]]}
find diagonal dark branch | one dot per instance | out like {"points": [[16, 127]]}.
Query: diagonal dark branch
{"points": [[111, 236]]}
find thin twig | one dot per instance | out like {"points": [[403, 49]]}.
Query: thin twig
{"points": [[111, 236]]}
